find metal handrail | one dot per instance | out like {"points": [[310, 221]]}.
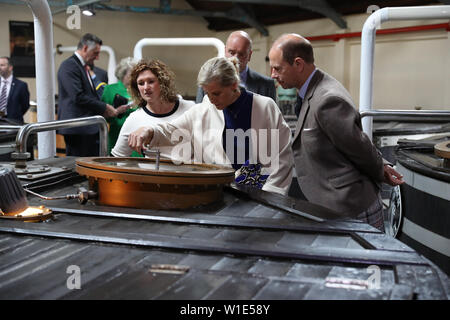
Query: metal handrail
{"points": [[406, 113], [10, 127], [22, 135]]}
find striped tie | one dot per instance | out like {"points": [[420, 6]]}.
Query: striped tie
{"points": [[86, 68], [3, 97]]}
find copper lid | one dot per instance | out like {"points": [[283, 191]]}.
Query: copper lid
{"points": [[143, 170]]}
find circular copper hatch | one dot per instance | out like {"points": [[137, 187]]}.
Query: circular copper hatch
{"points": [[135, 182]]}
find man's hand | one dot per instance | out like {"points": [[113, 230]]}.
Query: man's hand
{"points": [[391, 176], [139, 138], [110, 112], [122, 108]]}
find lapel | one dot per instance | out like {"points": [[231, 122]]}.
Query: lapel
{"points": [[251, 84], [83, 72], [11, 90], [318, 76]]}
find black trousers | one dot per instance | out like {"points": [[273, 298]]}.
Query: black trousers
{"points": [[82, 145]]}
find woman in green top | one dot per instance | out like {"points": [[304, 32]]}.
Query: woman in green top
{"points": [[123, 72]]}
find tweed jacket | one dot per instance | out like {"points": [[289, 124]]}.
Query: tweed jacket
{"points": [[337, 165]]}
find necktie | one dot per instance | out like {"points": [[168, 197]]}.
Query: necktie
{"points": [[89, 76], [298, 105], [3, 97]]}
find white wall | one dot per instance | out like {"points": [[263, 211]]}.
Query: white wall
{"points": [[410, 69]]}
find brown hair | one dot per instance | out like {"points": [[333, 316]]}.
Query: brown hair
{"points": [[297, 47], [165, 76]]}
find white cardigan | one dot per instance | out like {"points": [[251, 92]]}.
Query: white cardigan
{"points": [[201, 129]]}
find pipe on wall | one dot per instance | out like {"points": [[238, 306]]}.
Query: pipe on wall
{"points": [[368, 43], [218, 44], [339, 36], [45, 74]]}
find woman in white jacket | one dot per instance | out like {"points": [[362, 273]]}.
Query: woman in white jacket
{"points": [[232, 127]]}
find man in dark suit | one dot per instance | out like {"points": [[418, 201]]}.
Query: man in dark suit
{"points": [[337, 165], [14, 94], [239, 45], [78, 98]]}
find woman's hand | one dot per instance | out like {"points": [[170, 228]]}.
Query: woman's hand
{"points": [[391, 176], [139, 138]]}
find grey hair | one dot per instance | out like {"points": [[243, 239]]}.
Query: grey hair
{"points": [[124, 65], [90, 41], [221, 69]]}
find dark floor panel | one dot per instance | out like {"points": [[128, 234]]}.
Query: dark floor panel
{"points": [[261, 237], [283, 290], [238, 288], [129, 282], [201, 232], [385, 242], [295, 240], [194, 286], [426, 284], [271, 268], [20, 280], [234, 264], [11, 244], [260, 211], [239, 208], [309, 271], [331, 241], [321, 292], [22, 255], [200, 261], [239, 236]]}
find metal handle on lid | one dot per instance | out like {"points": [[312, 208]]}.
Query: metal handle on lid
{"points": [[148, 151]]}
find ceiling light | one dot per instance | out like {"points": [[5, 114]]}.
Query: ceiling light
{"points": [[89, 12]]}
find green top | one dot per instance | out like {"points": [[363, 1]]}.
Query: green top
{"points": [[286, 94], [115, 124]]}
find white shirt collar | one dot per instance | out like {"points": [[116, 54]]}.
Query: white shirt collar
{"points": [[302, 91], [80, 58]]}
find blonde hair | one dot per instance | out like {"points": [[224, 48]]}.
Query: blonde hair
{"points": [[124, 65], [221, 69]]}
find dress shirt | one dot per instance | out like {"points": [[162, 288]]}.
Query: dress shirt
{"points": [[8, 84], [243, 77]]}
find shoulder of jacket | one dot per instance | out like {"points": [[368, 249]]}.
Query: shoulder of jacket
{"points": [[261, 99], [260, 76]]}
